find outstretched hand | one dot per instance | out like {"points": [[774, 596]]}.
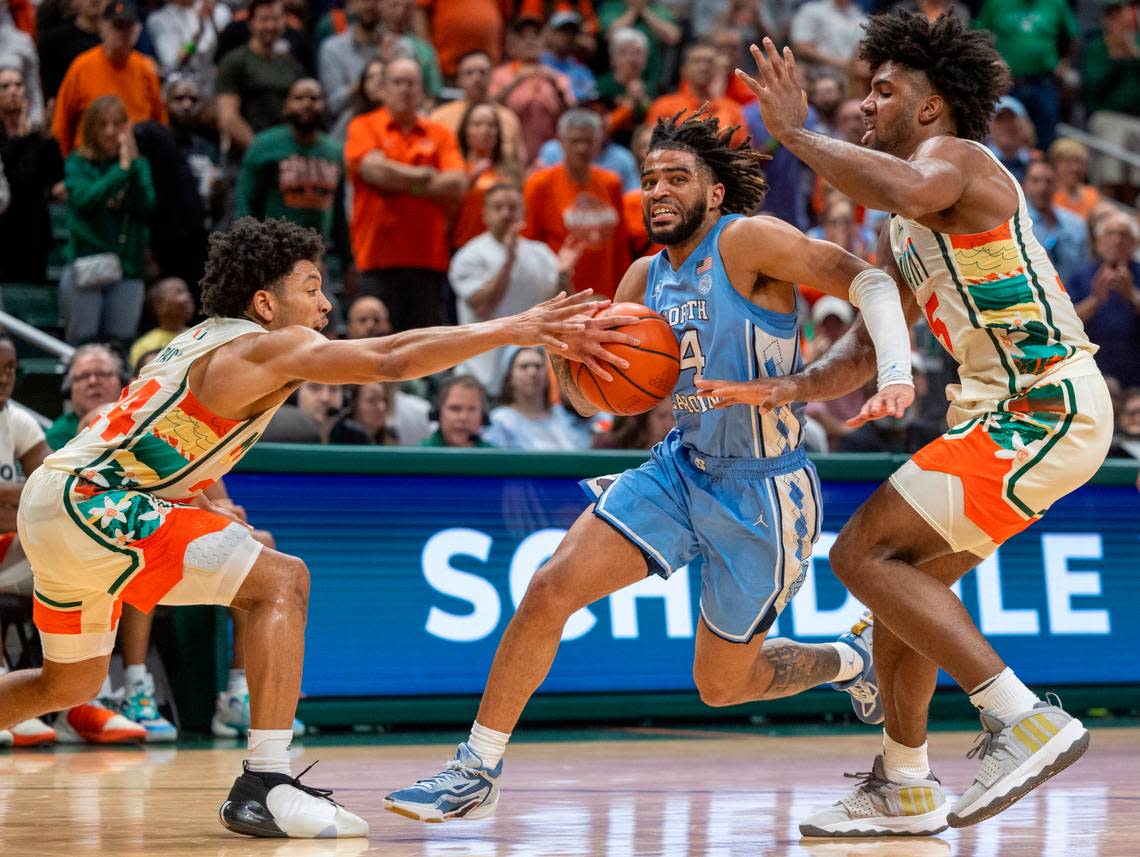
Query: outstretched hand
{"points": [[765, 393], [550, 322], [589, 346], [891, 401], [783, 105]]}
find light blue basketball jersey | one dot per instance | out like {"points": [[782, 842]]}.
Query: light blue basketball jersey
{"points": [[724, 335]]}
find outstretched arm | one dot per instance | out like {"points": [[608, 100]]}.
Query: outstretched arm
{"points": [[931, 181], [847, 365]]}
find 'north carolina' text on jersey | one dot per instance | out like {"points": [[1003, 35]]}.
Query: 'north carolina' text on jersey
{"points": [[724, 335]]}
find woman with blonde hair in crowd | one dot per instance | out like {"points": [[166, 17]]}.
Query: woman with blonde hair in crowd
{"points": [[1071, 161], [110, 196]]}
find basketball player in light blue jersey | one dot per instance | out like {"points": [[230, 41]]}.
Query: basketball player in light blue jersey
{"points": [[733, 486]]}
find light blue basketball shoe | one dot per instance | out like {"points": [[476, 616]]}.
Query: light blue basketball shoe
{"points": [[136, 702], [864, 688], [465, 788]]}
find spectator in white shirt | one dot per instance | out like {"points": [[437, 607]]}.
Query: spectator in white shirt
{"points": [[185, 37], [827, 32], [18, 50], [498, 273], [526, 419]]}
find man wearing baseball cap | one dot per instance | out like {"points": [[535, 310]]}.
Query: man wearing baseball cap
{"points": [[113, 67], [561, 40]]}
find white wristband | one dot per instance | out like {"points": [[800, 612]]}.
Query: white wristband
{"points": [[874, 292]]}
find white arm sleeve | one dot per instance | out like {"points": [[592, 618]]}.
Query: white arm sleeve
{"points": [[874, 292]]}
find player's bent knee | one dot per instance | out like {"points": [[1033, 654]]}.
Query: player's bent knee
{"points": [[67, 685], [549, 596], [717, 691]]}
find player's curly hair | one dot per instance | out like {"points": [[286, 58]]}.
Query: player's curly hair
{"points": [[735, 167], [253, 255], [961, 64]]}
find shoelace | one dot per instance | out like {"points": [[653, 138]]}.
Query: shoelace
{"points": [[295, 782], [988, 743], [452, 769], [868, 781]]}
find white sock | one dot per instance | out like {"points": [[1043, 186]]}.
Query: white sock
{"points": [[135, 673], [850, 662], [903, 762], [269, 750], [237, 682], [105, 690], [1003, 696], [3, 666], [488, 744]]}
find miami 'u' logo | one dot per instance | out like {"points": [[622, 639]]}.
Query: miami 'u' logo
{"points": [[199, 334]]}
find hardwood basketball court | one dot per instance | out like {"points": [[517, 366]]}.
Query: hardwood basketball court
{"points": [[621, 793]]}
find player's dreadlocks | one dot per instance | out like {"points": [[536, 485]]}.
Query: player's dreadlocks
{"points": [[735, 167], [961, 64]]}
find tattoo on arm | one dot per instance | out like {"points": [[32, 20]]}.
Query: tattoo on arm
{"points": [[797, 667], [566, 383]]}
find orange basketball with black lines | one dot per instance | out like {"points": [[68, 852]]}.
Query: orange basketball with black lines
{"points": [[653, 365]]}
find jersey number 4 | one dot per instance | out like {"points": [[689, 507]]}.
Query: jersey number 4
{"points": [[121, 418], [691, 356]]}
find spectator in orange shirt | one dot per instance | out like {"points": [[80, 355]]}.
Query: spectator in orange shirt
{"points": [[481, 142], [474, 78], [458, 26], [538, 95], [697, 76], [1071, 161], [577, 198], [112, 68], [406, 173]]}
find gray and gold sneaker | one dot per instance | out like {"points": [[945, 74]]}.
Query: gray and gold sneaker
{"points": [[1017, 757], [881, 807]]}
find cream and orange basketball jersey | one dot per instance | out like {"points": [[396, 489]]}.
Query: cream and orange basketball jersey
{"points": [[158, 438], [995, 302]]}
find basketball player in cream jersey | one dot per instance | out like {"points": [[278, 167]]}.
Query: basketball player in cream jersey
{"points": [[120, 514], [1030, 421]]}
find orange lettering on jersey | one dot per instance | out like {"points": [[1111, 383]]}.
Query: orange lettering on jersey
{"points": [[121, 418], [937, 325]]}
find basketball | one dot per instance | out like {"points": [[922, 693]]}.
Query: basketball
{"points": [[653, 365]]}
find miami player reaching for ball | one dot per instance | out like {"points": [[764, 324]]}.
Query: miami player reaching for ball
{"points": [[1030, 421], [119, 514], [733, 487]]}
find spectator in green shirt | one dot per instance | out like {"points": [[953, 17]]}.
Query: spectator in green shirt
{"points": [[1035, 38], [461, 409], [109, 198], [293, 170], [95, 378], [652, 19], [253, 81]]}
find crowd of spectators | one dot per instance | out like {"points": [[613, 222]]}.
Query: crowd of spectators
{"points": [[464, 159]]}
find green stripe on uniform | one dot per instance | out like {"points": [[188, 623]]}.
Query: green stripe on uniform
{"points": [[1041, 453], [1012, 378], [1033, 276], [59, 605], [97, 536]]}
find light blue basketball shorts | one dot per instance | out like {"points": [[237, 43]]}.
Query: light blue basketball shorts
{"points": [[753, 520]]}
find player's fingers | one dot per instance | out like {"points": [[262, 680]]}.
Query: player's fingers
{"points": [[553, 342], [749, 81], [612, 359], [790, 61], [614, 321], [774, 59], [763, 67], [616, 337], [596, 369]]}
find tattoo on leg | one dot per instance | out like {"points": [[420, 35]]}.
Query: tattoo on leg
{"points": [[797, 667]]}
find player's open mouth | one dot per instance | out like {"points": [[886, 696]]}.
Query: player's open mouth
{"points": [[869, 133], [662, 214]]}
